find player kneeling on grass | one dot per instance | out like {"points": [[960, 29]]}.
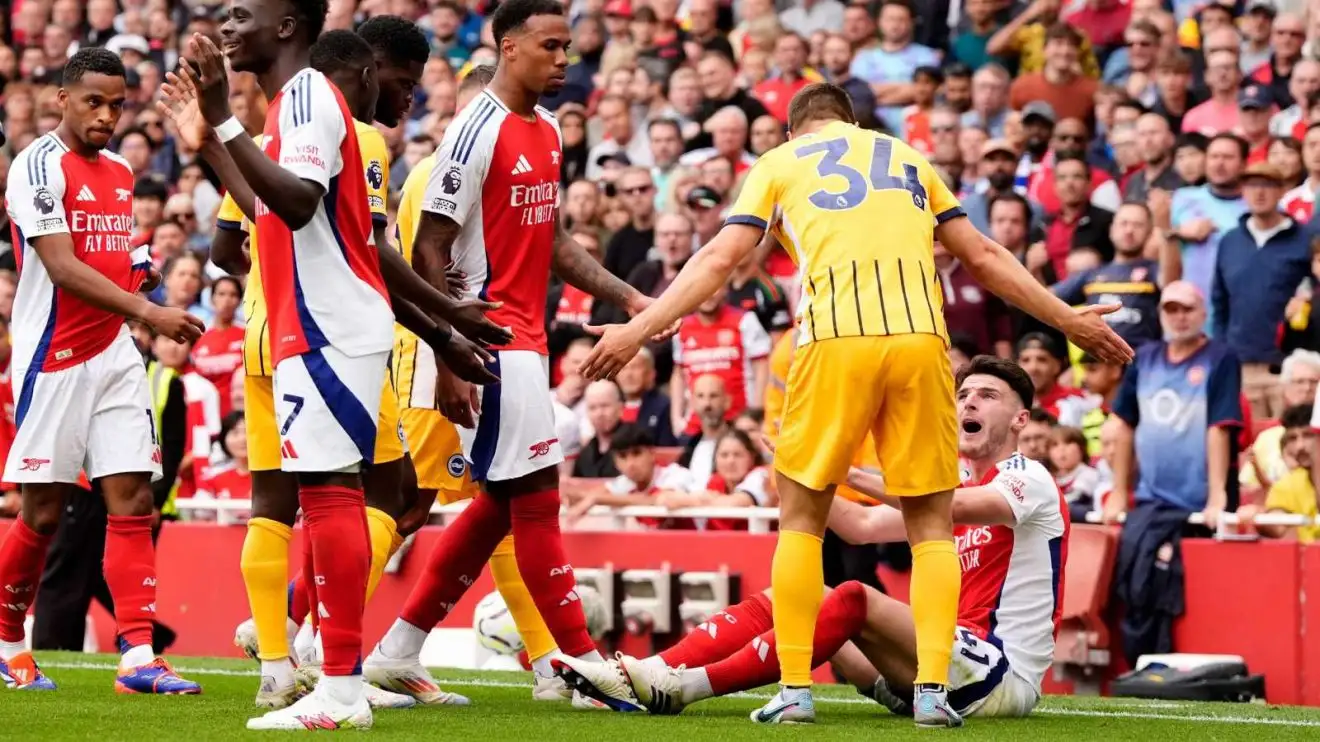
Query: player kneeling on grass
{"points": [[1011, 530]]}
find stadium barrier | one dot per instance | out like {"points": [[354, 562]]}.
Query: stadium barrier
{"points": [[1248, 599]]}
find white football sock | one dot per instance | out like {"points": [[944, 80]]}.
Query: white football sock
{"points": [[137, 656], [10, 650], [281, 671], [694, 685], [541, 665], [592, 656], [345, 689], [403, 641]]}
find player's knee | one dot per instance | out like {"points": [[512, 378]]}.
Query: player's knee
{"points": [[130, 500], [42, 514], [853, 593]]}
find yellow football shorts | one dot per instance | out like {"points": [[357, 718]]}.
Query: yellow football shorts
{"points": [[898, 388], [264, 435], [437, 455]]}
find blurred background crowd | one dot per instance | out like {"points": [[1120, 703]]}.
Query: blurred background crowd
{"points": [[1158, 154]]}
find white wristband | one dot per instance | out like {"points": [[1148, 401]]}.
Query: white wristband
{"points": [[229, 130]]}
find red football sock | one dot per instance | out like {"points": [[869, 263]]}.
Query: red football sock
{"points": [[842, 616], [335, 519], [546, 572], [460, 554], [308, 586], [299, 601], [722, 634], [22, 557], [130, 573]]}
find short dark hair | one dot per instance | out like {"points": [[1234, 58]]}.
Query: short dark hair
{"points": [[135, 130], [1071, 156], [511, 15], [930, 73], [904, 4], [1011, 197], [92, 59], [664, 121], [338, 50], [1039, 415], [1133, 103], [1297, 416], [151, 186], [645, 14], [1191, 139], [228, 423], [746, 442], [238, 285], [397, 39], [957, 69], [1061, 31], [820, 100], [1242, 146], [422, 139], [477, 77], [963, 343], [1006, 371], [312, 19], [630, 437]]}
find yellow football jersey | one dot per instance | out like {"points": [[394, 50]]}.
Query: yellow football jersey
{"points": [[857, 212], [407, 346], [256, 338]]}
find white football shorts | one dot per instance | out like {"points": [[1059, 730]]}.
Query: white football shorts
{"points": [[981, 683], [327, 406], [515, 433], [95, 416]]}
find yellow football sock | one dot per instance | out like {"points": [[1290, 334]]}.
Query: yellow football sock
{"points": [[382, 530], [797, 581], [535, 635], [265, 565], [936, 581]]}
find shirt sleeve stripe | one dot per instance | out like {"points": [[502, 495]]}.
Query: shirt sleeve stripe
{"points": [[379, 219], [476, 134], [468, 126], [953, 213], [229, 225], [748, 219], [307, 99]]}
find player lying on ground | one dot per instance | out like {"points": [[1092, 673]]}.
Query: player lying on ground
{"points": [[83, 401], [1012, 537]]}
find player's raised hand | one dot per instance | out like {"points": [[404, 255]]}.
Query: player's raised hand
{"points": [[1092, 334], [467, 361], [175, 324], [468, 318], [213, 79], [178, 102], [617, 345]]}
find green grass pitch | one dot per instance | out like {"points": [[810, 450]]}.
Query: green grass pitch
{"points": [[86, 708]]}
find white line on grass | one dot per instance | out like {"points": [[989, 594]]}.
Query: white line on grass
{"points": [[483, 683]]}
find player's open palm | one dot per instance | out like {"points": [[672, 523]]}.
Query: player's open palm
{"points": [[468, 317], [617, 345], [175, 324], [468, 362], [1090, 332], [178, 102], [213, 83]]}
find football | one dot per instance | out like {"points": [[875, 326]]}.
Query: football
{"points": [[494, 626]]}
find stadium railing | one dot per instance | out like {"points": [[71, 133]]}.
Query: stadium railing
{"points": [[759, 520]]}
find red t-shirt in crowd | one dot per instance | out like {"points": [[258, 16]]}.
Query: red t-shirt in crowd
{"points": [[216, 356], [775, 93], [724, 346]]}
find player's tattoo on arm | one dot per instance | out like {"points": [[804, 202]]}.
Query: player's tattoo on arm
{"points": [[575, 265]]}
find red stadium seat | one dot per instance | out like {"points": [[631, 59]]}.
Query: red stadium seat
{"points": [[666, 455], [1083, 640]]}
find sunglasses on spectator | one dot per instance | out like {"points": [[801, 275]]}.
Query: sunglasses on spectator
{"points": [[1290, 32], [637, 190], [946, 129]]}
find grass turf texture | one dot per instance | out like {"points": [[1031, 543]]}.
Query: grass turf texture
{"points": [[86, 708]]}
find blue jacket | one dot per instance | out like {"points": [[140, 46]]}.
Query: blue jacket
{"points": [[1252, 286]]}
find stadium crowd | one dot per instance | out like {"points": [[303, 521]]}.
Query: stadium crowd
{"points": [[1159, 155]]}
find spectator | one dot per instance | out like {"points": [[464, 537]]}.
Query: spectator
{"points": [[989, 99], [666, 137], [229, 478], [836, 61], [1132, 67], [620, 137], [788, 79], [1173, 86], [917, 128], [1040, 356], [1189, 152], [1077, 480], [970, 46], [630, 245], [1101, 380], [702, 31], [710, 404], [1285, 43], [1286, 154], [1291, 120], [1267, 464], [149, 194], [1079, 224], [1259, 265], [720, 88], [1179, 405], [752, 290], [997, 168], [1293, 494], [1130, 279], [219, 351], [740, 480], [201, 411], [957, 90], [1010, 220], [643, 403], [1220, 114], [1200, 216], [587, 51], [1155, 145], [767, 133], [1255, 25], [604, 403], [724, 341], [640, 481], [970, 310], [705, 204], [182, 285], [1299, 203], [581, 205], [573, 128], [1255, 108], [806, 17], [1059, 82], [1024, 37], [1037, 435], [888, 66]]}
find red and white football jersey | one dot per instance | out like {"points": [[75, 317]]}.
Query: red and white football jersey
{"points": [[322, 283], [1299, 203], [216, 356], [725, 347], [1012, 576], [497, 176], [202, 417], [52, 190]]}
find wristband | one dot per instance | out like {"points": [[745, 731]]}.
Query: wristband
{"points": [[229, 130]]}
